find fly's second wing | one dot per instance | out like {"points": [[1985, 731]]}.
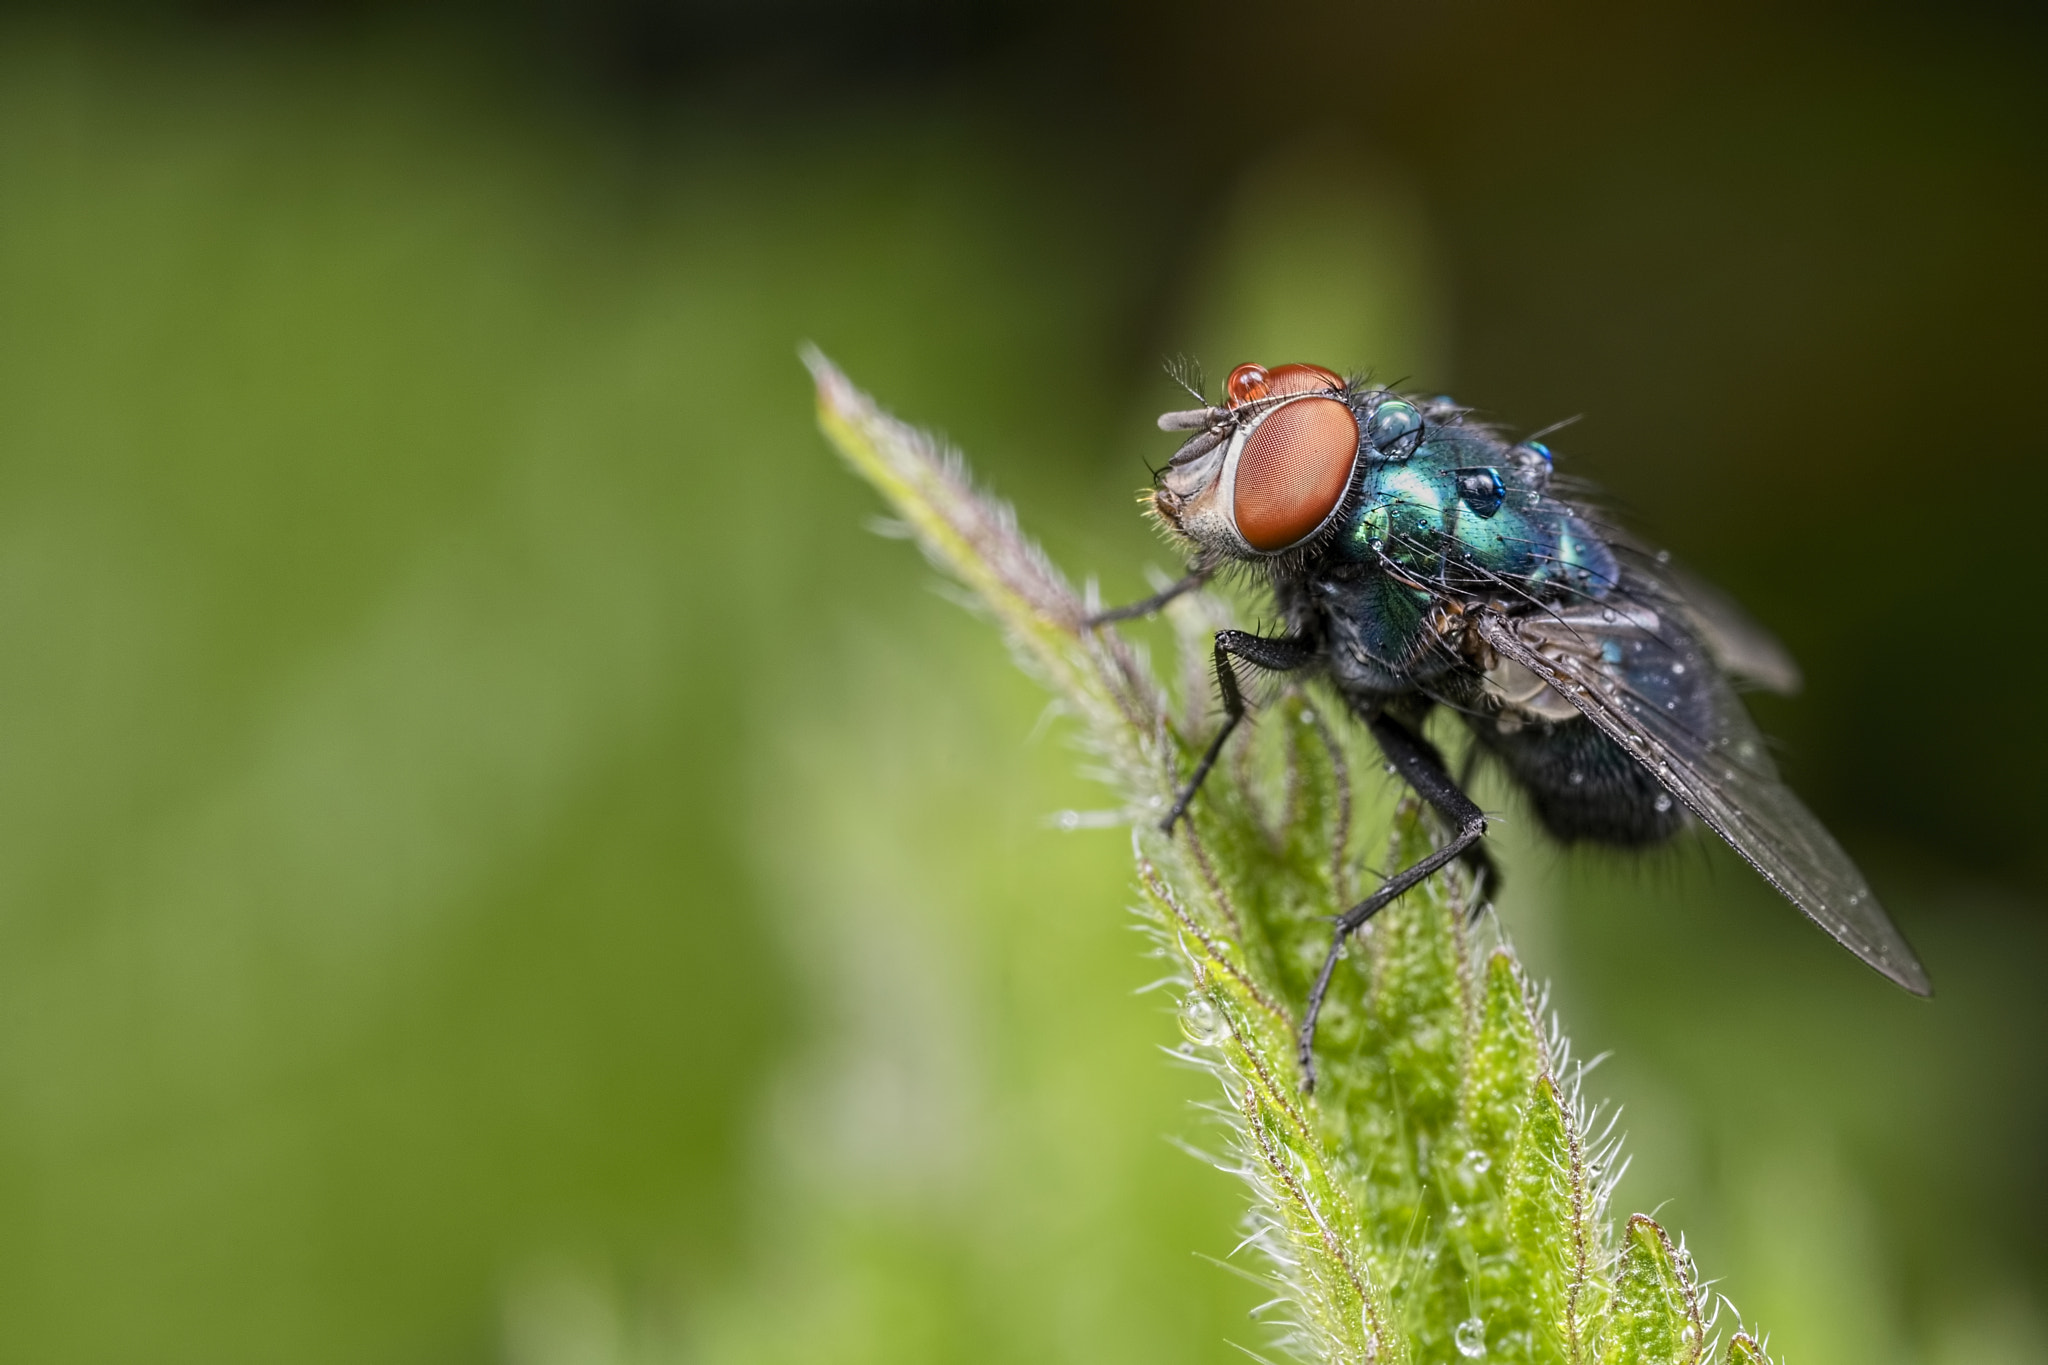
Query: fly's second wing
{"points": [[1651, 688], [1742, 647]]}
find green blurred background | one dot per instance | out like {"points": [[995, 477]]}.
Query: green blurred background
{"points": [[496, 862]]}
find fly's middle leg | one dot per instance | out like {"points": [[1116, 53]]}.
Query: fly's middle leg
{"points": [[1422, 768]]}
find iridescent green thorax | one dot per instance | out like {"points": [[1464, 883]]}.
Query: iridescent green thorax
{"points": [[1468, 514]]}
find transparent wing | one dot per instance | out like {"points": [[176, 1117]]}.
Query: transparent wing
{"points": [[1738, 644], [1655, 691], [1732, 639]]}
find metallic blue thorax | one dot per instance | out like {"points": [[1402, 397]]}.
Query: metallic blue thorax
{"points": [[1448, 513]]}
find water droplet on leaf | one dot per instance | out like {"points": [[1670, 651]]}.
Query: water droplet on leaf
{"points": [[1201, 1021], [1471, 1338]]}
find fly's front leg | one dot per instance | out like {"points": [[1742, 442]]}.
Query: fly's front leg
{"points": [[1422, 768], [1279, 655], [1194, 578]]}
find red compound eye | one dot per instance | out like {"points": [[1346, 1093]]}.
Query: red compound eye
{"points": [[1246, 383], [1293, 472]]}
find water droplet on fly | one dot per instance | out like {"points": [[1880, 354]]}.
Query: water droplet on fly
{"points": [[1201, 1021], [1678, 668], [1578, 778], [1663, 556], [1471, 1338], [1608, 614], [1663, 802]]}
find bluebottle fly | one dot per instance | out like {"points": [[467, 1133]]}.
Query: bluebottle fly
{"points": [[1419, 559]]}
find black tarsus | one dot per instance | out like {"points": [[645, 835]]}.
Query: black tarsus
{"points": [[1419, 765], [1194, 578], [1277, 654]]}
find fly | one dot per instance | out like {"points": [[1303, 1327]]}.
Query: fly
{"points": [[1420, 559]]}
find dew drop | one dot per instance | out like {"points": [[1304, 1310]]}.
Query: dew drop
{"points": [[1308, 717], [1478, 1162], [1455, 1216], [1201, 1021], [1678, 668], [1663, 556], [1578, 779], [1608, 614], [1394, 428], [1663, 802], [1471, 1338]]}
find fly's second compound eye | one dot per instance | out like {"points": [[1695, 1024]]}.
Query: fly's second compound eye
{"points": [[1283, 380], [1293, 471], [1250, 383]]}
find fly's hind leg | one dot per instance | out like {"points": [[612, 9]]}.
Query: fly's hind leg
{"points": [[1422, 768], [1278, 654]]}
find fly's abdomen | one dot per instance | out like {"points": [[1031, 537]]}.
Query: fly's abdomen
{"points": [[1583, 784]]}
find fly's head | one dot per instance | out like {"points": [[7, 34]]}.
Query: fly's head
{"points": [[1265, 473]]}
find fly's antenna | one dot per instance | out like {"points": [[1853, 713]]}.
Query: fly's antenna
{"points": [[1187, 374]]}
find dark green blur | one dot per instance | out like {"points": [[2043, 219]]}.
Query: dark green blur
{"points": [[497, 863]]}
